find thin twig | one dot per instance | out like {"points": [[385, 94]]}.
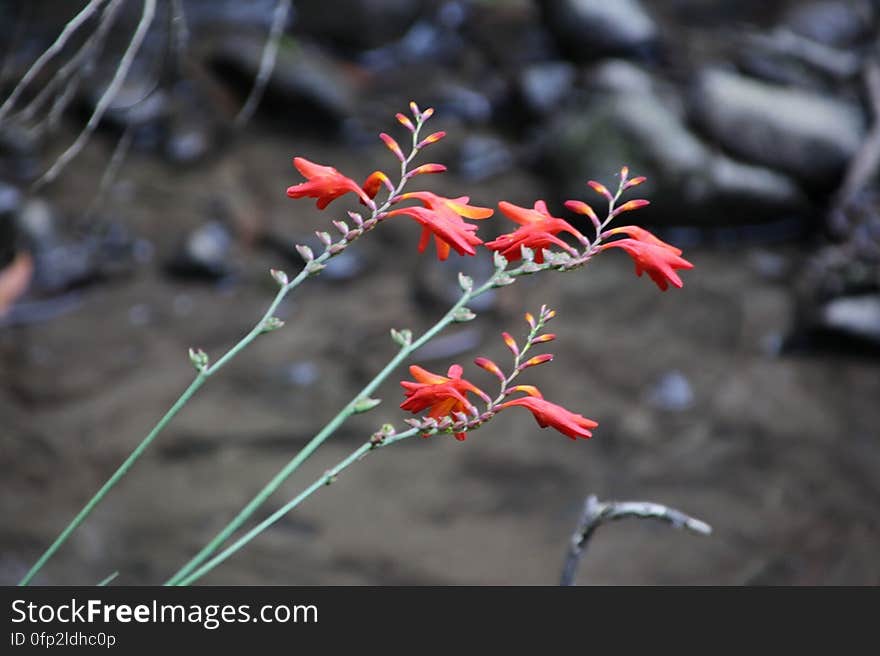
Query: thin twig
{"points": [[108, 96], [865, 162], [49, 53], [267, 62], [598, 512], [106, 581], [112, 169], [71, 71], [179, 34]]}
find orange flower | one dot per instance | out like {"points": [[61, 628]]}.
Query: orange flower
{"points": [[444, 395], [442, 217], [549, 414], [538, 231], [326, 184], [651, 255]]}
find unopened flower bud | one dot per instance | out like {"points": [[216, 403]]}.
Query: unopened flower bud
{"points": [[279, 276], [272, 323], [465, 282], [365, 405], [500, 261], [405, 122], [314, 267], [305, 252], [401, 337], [199, 359]]}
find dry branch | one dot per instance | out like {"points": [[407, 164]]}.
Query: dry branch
{"points": [[598, 512]]}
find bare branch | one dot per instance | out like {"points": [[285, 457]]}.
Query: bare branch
{"points": [[112, 169], [598, 512], [74, 68], [69, 29], [267, 62], [866, 161], [108, 96], [180, 33]]}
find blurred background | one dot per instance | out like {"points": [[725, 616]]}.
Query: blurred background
{"points": [[748, 399]]}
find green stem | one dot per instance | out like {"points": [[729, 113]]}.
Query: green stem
{"points": [[311, 268], [325, 432], [199, 380], [118, 474], [324, 480]]}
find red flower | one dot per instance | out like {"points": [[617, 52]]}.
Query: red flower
{"points": [[549, 414], [442, 217], [326, 184], [443, 395], [651, 255], [538, 231]]}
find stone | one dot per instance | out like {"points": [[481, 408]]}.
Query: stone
{"points": [[857, 316], [672, 392], [806, 135], [357, 24], [305, 83], [543, 86], [484, 156], [204, 253], [688, 183], [589, 29], [830, 22]]}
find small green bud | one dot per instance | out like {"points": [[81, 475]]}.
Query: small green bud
{"points": [[500, 261], [463, 315], [199, 359], [279, 276], [402, 337], [365, 405], [272, 323]]}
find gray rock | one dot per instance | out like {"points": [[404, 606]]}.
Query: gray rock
{"points": [[187, 142], [233, 14], [688, 183], [484, 156], [857, 316], [544, 86], [10, 200], [830, 22], [803, 134], [673, 392], [589, 29], [304, 81], [357, 24], [204, 253]]}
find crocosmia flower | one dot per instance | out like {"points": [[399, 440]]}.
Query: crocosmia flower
{"points": [[650, 254], [549, 414], [538, 230], [442, 396], [442, 217], [326, 184]]}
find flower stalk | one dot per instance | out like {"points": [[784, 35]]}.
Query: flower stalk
{"points": [[267, 323]]}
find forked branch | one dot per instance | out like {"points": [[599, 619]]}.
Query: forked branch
{"points": [[598, 512]]}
